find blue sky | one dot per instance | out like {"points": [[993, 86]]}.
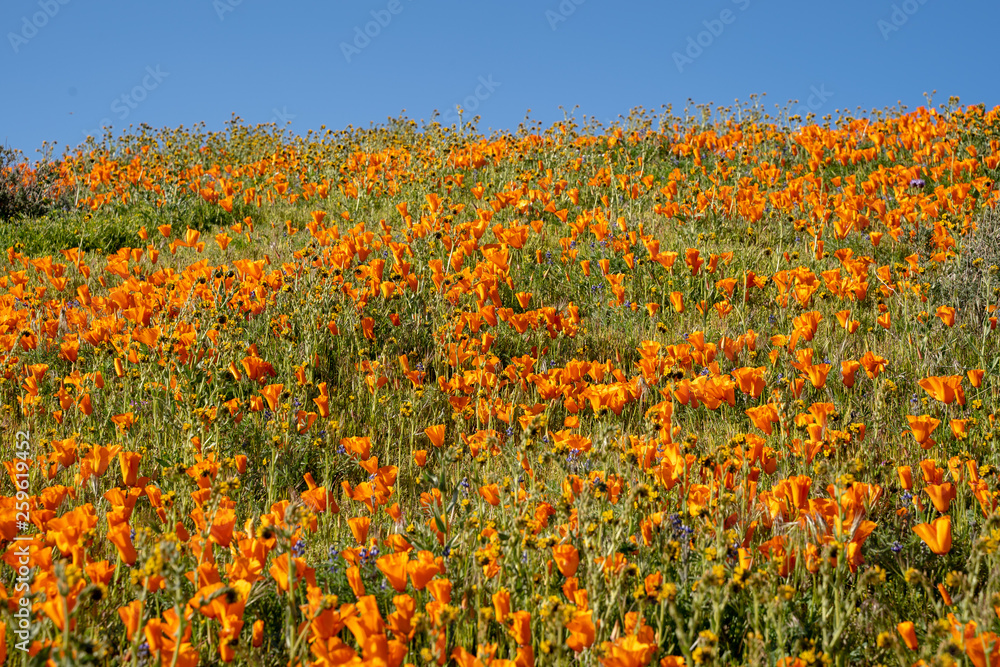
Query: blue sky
{"points": [[70, 65]]}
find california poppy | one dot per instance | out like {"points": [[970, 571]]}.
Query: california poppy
{"points": [[567, 559], [393, 566], [907, 632], [937, 534], [921, 427]]}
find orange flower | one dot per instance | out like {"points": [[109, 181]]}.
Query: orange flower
{"points": [[272, 393], [501, 604], [944, 389], [873, 364], [355, 581], [693, 260], [124, 421], [677, 301], [436, 434], [905, 477], [120, 536], [817, 375], [976, 647], [422, 570], [976, 377], [908, 633], [420, 457], [131, 615], [521, 627], [937, 534], [359, 528], [847, 370], [922, 427], [763, 416], [491, 494], [947, 315], [393, 566], [582, 630], [567, 559], [750, 380], [941, 495], [258, 633], [960, 428]]}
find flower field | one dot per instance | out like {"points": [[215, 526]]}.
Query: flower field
{"points": [[709, 389]]}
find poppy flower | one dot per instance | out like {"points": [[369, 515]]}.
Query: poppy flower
{"points": [[119, 535], [937, 534], [941, 495], [490, 493], [436, 434], [873, 364], [946, 314], [271, 394], [567, 559], [847, 370], [960, 428], [907, 631], [359, 528], [763, 416], [131, 615], [257, 636], [393, 566], [582, 630], [921, 427], [677, 301], [905, 477], [422, 570], [945, 389]]}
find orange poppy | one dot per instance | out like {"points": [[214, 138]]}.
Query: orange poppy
{"points": [[436, 434], [946, 314], [490, 493], [908, 633], [582, 630], [847, 370], [393, 566], [905, 477], [937, 534], [960, 428], [131, 615], [873, 364], [677, 301], [945, 389], [567, 559], [922, 427], [941, 495], [271, 394]]}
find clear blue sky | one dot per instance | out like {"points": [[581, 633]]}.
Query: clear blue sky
{"points": [[70, 65]]}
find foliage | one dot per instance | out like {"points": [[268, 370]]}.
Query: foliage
{"points": [[697, 389]]}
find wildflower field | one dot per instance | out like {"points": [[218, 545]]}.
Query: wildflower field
{"points": [[709, 389]]}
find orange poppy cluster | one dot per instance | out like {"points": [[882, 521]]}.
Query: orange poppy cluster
{"points": [[540, 437]]}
